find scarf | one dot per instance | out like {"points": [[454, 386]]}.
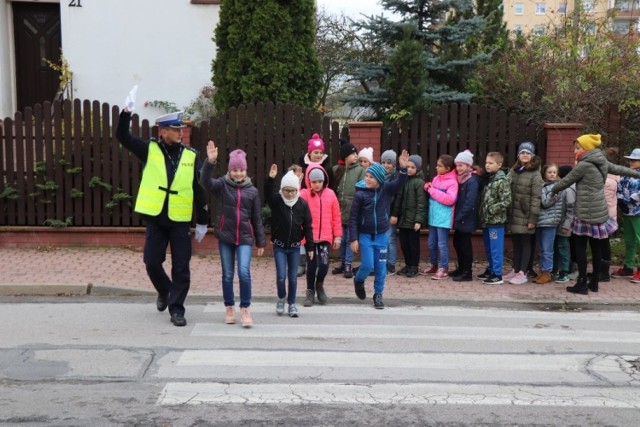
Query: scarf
{"points": [[465, 176], [292, 201]]}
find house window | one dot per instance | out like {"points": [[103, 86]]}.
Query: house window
{"points": [[562, 8], [538, 30], [620, 27], [541, 8], [589, 5], [518, 9], [517, 29]]}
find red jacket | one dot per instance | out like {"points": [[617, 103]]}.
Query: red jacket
{"points": [[324, 207]]}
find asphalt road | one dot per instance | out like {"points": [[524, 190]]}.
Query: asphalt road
{"points": [[117, 361]]}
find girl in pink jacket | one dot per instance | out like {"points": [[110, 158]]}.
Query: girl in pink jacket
{"points": [[327, 229], [443, 193]]}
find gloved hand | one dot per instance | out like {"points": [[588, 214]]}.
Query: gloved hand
{"points": [[201, 230], [130, 102]]}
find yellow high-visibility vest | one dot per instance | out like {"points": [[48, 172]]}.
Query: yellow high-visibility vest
{"points": [[154, 185]]}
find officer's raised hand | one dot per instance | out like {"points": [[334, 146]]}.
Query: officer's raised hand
{"points": [[130, 102], [273, 171], [212, 152]]}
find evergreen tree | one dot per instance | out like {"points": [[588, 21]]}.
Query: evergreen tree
{"points": [[407, 79], [444, 30], [266, 53]]}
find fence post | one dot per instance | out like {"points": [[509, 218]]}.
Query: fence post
{"points": [[366, 134], [560, 142]]}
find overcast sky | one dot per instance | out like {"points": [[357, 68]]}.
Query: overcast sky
{"points": [[351, 8]]}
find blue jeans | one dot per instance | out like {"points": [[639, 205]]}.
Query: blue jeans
{"points": [[439, 244], [493, 237], [545, 237], [346, 256], [392, 249], [562, 255], [373, 256], [286, 268], [228, 254]]}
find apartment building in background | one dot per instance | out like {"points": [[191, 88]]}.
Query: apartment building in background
{"points": [[526, 16]]}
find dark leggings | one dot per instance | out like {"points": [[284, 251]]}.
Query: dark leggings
{"points": [[410, 245], [521, 251], [318, 267], [464, 250], [581, 255]]}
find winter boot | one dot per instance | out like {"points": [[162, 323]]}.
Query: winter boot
{"points": [[593, 284], [308, 301], [580, 287], [348, 272], [465, 276], [359, 288], [302, 266], [457, 272], [322, 296], [339, 269]]}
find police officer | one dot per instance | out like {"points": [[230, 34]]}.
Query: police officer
{"points": [[168, 191]]}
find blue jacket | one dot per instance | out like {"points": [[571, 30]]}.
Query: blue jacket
{"points": [[370, 207], [629, 196], [466, 217]]}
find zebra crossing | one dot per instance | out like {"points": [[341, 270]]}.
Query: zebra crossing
{"points": [[350, 354]]}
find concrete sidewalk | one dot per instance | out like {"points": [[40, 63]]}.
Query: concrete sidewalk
{"points": [[108, 271]]}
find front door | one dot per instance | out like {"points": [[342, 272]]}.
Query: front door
{"points": [[37, 37]]}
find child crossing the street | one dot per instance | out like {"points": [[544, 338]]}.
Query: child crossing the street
{"points": [[368, 225], [290, 225]]}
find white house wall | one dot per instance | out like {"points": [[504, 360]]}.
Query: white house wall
{"points": [[163, 46], [7, 90]]}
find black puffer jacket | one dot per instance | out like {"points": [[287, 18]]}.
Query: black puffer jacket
{"points": [[289, 225], [238, 209]]}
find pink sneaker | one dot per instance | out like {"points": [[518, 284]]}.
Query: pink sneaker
{"points": [[431, 269], [442, 273], [636, 277], [510, 275], [519, 279]]}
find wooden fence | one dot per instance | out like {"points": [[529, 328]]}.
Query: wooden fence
{"points": [[451, 128], [61, 164]]}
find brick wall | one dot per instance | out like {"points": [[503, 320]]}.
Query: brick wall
{"points": [[366, 134], [560, 142]]}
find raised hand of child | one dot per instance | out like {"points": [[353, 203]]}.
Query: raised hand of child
{"points": [[212, 152], [403, 161], [273, 171]]}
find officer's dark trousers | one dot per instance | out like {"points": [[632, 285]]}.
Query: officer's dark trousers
{"points": [[155, 251]]}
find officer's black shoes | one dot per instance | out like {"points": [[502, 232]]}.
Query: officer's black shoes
{"points": [[162, 302], [178, 319]]}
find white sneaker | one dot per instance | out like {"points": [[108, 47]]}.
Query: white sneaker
{"points": [[280, 306], [510, 275], [293, 310], [519, 279]]}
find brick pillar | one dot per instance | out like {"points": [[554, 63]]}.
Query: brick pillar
{"points": [[560, 142], [366, 134], [186, 133]]}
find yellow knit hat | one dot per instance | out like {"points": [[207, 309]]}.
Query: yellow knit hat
{"points": [[589, 142]]}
